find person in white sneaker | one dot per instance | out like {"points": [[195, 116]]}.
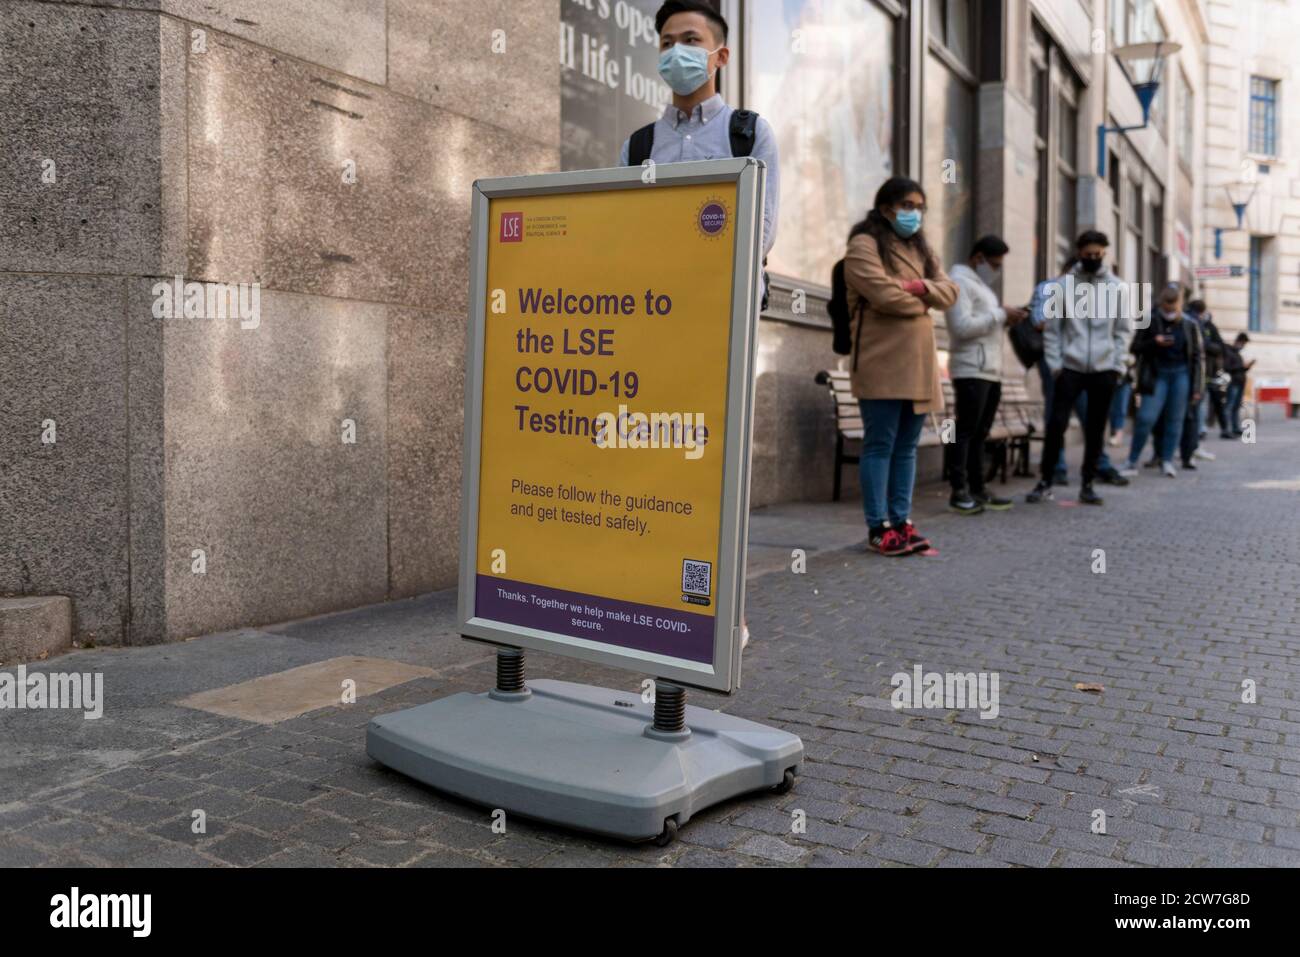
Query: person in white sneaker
{"points": [[1170, 366], [977, 324]]}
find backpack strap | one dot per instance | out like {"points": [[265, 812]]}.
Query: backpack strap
{"points": [[640, 144], [743, 130], [857, 339], [860, 307]]}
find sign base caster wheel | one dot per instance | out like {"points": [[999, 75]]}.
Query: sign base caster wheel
{"points": [[787, 783], [669, 833]]}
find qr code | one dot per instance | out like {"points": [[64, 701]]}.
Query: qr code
{"points": [[697, 577]]}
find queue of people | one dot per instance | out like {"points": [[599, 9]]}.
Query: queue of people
{"points": [[1097, 352]]}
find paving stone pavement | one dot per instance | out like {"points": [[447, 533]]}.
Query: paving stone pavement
{"points": [[1199, 595]]}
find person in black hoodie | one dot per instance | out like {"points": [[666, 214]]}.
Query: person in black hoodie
{"points": [[1215, 379], [1170, 373], [1194, 423], [1236, 367]]}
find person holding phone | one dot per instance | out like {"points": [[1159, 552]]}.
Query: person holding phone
{"points": [[1171, 372], [975, 327], [1237, 369]]}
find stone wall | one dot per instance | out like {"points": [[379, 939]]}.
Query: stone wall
{"points": [[219, 144]]}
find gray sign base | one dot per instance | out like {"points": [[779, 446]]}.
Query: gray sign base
{"points": [[583, 757]]}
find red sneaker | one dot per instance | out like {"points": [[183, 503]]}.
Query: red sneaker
{"points": [[889, 541], [916, 542]]}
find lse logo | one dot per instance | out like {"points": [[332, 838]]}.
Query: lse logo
{"points": [[512, 227]]}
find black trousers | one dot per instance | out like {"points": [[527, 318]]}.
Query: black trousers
{"points": [[1191, 439], [1218, 408], [977, 406], [1099, 386]]}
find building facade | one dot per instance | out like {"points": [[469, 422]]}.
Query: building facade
{"points": [[1252, 150], [211, 474]]}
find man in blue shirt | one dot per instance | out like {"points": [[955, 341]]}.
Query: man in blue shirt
{"points": [[697, 124]]}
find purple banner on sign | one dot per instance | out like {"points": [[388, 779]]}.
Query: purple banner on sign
{"points": [[664, 631]]}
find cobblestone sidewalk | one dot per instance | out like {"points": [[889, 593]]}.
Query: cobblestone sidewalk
{"points": [[1199, 595]]}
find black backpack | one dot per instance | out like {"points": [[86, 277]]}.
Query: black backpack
{"points": [[838, 308], [841, 319], [742, 130], [1026, 342]]}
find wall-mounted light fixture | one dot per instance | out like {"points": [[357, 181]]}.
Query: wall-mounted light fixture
{"points": [[1143, 63], [1240, 194]]}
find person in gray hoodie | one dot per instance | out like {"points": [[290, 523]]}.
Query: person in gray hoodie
{"points": [[976, 322], [1085, 340]]}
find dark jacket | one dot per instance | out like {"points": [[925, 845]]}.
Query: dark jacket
{"points": [[1147, 350], [1233, 364], [1213, 346]]}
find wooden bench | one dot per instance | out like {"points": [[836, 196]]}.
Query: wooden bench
{"points": [[848, 421], [1015, 425], [1022, 415]]}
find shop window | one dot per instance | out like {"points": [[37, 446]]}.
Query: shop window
{"points": [[822, 73], [951, 25], [595, 116], [948, 168]]}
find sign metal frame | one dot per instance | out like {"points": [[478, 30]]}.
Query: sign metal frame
{"points": [[748, 175]]}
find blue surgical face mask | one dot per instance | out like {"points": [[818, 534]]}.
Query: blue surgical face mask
{"points": [[907, 222], [685, 68]]}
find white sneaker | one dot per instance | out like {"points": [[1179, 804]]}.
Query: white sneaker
{"points": [[1204, 456], [1129, 471], [1116, 439], [1167, 470]]}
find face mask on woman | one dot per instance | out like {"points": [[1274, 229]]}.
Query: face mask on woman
{"points": [[685, 68], [907, 222]]}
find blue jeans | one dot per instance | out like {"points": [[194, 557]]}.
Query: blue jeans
{"points": [[1119, 406], [1170, 396], [1233, 405], [1104, 464], [887, 466]]}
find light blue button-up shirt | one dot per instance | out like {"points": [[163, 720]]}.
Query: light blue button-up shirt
{"points": [[706, 134]]}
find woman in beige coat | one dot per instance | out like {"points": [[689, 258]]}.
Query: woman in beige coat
{"points": [[894, 280]]}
